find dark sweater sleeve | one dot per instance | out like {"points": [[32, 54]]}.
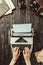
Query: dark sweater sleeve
{"points": [[33, 60]]}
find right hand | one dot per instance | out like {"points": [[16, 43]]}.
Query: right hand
{"points": [[27, 54]]}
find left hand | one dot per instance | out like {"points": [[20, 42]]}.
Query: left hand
{"points": [[15, 53]]}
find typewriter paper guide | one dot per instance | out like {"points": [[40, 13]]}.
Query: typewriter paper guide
{"points": [[29, 41], [22, 28], [3, 7]]}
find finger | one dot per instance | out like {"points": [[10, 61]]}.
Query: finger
{"points": [[31, 48], [23, 52], [14, 49], [19, 53], [17, 49], [27, 50], [11, 47]]}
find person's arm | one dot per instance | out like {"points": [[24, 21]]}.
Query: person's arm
{"points": [[29, 62], [15, 55], [27, 54], [12, 62]]}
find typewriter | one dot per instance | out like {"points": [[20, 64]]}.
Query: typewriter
{"points": [[22, 35]]}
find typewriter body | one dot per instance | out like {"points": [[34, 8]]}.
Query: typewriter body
{"points": [[22, 35]]}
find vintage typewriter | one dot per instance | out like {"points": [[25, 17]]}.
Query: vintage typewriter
{"points": [[22, 35]]}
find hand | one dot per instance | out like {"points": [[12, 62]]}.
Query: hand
{"points": [[27, 54], [15, 53]]}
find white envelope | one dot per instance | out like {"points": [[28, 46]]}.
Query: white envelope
{"points": [[0, 1], [3, 7], [39, 56], [11, 5], [41, 53]]}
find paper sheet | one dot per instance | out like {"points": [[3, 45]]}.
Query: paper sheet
{"points": [[11, 5], [3, 7], [0, 1], [41, 53], [39, 56]]}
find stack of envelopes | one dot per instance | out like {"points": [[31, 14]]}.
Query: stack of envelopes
{"points": [[6, 7]]}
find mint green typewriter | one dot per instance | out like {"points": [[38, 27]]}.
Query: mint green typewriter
{"points": [[21, 35]]}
